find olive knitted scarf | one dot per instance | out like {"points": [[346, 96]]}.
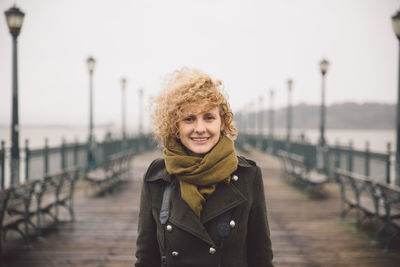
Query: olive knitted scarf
{"points": [[198, 176]]}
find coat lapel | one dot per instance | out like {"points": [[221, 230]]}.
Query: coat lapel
{"points": [[225, 197], [184, 217]]}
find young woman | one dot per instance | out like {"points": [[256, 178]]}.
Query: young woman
{"points": [[201, 205]]}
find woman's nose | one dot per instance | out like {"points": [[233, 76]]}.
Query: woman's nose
{"points": [[200, 126]]}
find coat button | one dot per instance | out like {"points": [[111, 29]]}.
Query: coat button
{"points": [[212, 251], [169, 228], [235, 177], [175, 253], [232, 224]]}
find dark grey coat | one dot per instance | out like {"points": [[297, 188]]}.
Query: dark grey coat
{"points": [[194, 242]]}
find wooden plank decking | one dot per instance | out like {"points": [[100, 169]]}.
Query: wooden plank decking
{"points": [[304, 232]]}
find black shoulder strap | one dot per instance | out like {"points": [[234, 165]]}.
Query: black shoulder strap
{"points": [[164, 214]]}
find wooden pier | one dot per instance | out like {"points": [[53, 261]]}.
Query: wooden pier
{"points": [[305, 232]]}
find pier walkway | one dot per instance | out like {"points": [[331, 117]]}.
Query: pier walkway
{"points": [[304, 232]]}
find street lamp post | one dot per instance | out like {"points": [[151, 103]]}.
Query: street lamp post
{"points": [[238, 120], [15, 18], [289, 114], [271, 121], [396, 29], [247, 119], [91, 160], [123, 123], [324, 64], [261, 115], [260, 122], [244, 119], [253, 117], [321, 149], [140, 112]]}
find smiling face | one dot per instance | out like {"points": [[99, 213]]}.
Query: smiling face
{"points": [[200, 129]]}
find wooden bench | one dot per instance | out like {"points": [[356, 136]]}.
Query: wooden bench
{"points": [[362, 194], [391, 199], [295, 166], [56, 191], [112, 173], [373, 199], [288, 171], [4, 197], [20, 209], [21, 204]]}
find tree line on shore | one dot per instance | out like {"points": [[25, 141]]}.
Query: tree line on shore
{"points": [[349, 115]]}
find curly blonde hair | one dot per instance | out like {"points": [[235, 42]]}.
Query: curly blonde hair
{"points": [[188, 86]]}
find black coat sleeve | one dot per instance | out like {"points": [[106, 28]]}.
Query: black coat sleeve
{"points": [[147, 249], [259, 250]]}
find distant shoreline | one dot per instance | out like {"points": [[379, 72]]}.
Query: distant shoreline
{"points": [[342, 116], [58, 125], [78, 126]]}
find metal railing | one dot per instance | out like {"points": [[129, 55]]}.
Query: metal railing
{"points": [[379, 166], [37, 163]]}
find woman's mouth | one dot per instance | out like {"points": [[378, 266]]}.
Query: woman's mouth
{"points": [[199, 139]]}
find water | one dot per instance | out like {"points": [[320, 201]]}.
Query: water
{"points": [[55, 134], [37, 134], [378, 139]]}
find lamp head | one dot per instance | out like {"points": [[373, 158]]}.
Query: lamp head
{"points": [[91, 62], [396, 24], [289, 84], [323, 65], [15, 18]]}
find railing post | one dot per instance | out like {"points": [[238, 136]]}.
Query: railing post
{"points": [[130, 144], [46, 155], [367, 159], [337, 156], [137, 148], [350, 157], [62, 152], [2, 162], [327, 160], [126, 142], [274, 146], [389, 152], [76, 152], [27, 157]]}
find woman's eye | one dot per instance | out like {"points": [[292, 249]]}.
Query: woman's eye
{"points": [[188, 119], [209, 117]]}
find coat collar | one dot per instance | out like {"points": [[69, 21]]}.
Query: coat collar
{"points": [[242, 162], [159, 172], [225, 197]]}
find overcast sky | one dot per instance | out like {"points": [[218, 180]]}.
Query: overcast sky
{"points": [[251, 45]]}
